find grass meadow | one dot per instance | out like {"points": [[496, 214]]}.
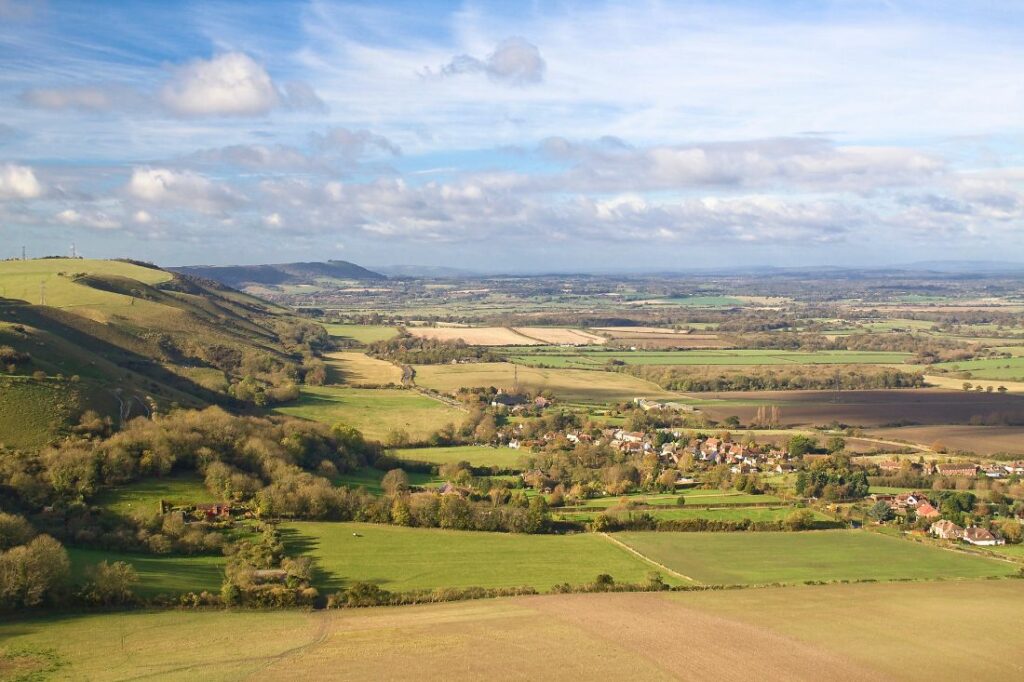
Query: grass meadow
{"points": [[477, 455], [375, 412], [142, 498], [157, 574], [757, 558], [400, 558]]}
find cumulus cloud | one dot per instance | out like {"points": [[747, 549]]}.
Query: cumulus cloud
{"points": [[230, 84], [92, 219], [18, 182], [515, 61], [181, 189]]}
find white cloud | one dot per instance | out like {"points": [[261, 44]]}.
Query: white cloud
{"points": [[142, 217], [273, 220], [232, 84], [181, 189], [93, 219], [514, 61], [18, 182]]}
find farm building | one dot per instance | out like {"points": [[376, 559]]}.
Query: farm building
{"points": [[981, 537], [957, 469], [946, 530]]}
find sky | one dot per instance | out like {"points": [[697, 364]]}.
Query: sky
{"points": [[516, 137]]}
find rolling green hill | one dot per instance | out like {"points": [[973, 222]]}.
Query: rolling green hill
{"points": [[125, 338], [282, 273]]}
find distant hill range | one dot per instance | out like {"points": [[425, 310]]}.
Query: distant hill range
{"points": [[240, 276]]}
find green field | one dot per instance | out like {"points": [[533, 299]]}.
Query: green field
{"points": [[361, 333], [375, 412], [400, 558], [477, 455], [143, 498], [1009, 369], [158, 574], [756, 558], [734, 358], [573, 385], [370, 478]]}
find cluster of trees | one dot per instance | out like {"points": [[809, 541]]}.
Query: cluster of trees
{"points": [[832, 478], [35, 571], [697, 378], [798, 519], [258, 573], [415, 350], [277, 466]]}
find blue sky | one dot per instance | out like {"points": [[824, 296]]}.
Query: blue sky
{"points": [[514, 136]]}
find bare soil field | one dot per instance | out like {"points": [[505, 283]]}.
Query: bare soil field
{"points": [[834, 632], [476, 336], [868, 408], [981, 440], [560, 336]]}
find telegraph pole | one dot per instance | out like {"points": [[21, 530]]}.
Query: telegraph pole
{"points": [[42, 293]]}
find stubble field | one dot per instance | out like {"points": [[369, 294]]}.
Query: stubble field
{"points": [[838, 632]]}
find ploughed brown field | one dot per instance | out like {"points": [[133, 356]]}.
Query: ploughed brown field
{"points": [[981, 440], [870, 408]]}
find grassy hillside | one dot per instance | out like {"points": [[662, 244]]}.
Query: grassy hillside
{"points": [[113, 333]]}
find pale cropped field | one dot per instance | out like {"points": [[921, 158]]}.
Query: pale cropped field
{"points": [[838, 632], [475, 336]]}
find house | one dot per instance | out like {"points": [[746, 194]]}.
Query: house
{"points": [[957, 469], [891, 467], [994, 471], [630, 436], [213, 510], [450, 489], [981, 537], [925, 510], [1015, 468], [946, 530]]}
